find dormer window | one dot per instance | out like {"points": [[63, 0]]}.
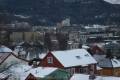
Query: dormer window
{"points": [[50, 60]]}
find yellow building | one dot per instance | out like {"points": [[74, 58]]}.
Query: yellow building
{"points": [[26, 36]]}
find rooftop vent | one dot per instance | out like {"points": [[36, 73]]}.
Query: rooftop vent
{"points": [[86, 55], [78, 57]]}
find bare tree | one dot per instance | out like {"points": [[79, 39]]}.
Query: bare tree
{"points": [[47, 41], [62, 39]]}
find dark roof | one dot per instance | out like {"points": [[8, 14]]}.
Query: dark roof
{"points": [[107, 62]]}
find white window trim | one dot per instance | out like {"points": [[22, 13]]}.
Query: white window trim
{"points": [[50, 60]]}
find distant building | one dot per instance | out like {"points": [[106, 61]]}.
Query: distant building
{"points": [[112, 48], [85, 36], [74, 40], [26, 36], [73, 45], [66, 22]]}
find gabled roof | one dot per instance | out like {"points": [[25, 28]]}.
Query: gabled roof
{"points": [[5, 52], [3, 57], [75, 57], [41, 72]]}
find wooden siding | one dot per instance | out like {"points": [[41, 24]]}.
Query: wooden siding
{"points": [[56, 63]]}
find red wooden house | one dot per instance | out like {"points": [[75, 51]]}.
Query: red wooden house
{"points": [[95, 49], [74, 61], [31, 77]]}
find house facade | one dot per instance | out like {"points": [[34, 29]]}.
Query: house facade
{"points": [[73, 61]]}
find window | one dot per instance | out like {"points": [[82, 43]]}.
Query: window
{"points": [[50, 60], [72, 70], [83, 70]]}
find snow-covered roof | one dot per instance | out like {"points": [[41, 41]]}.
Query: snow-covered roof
{"points": [[41, 56], [99, 68], [106, 62], [23, 71], [19, 68], [115, 62], [4, 49], [86, 77], [3, 57], [3, 76], [85, 47], [40, 72], [75, 57]]}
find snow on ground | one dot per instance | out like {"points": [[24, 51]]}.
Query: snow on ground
{"points": [[86, 77]]}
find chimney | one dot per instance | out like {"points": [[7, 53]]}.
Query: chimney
{"points": [[35, 64]]}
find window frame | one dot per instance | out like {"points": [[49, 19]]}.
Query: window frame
{"points": [[49, 60]]}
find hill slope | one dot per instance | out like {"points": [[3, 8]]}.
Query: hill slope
{"points": [[52, 11]]}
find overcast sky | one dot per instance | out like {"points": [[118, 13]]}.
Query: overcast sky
{"points": [[114, 1]]}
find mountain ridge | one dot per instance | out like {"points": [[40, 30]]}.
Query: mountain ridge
{"points": [[49, 12]]}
